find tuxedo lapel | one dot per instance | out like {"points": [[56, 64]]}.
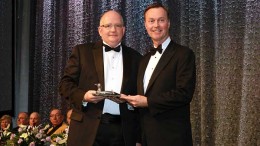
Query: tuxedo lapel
{"points": [[165, 58], [126, 67], [98, 58], [141, 73]]}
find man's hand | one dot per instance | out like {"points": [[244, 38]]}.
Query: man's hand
{"points": [[135, 101], [90, 97]]}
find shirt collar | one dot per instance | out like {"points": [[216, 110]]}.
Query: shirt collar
{"points": [[166, 43]]}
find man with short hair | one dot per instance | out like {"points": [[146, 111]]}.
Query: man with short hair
{"points": [[57, 124], [23, 118], [22, 121], [166, 83]]}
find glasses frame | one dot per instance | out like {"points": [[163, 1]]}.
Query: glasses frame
{"points": [[109, 26]]}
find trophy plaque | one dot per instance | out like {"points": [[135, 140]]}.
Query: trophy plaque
{"points": [[108, 94]]}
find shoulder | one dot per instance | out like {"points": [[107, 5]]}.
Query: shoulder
{"points": [[64, 125], [180, 48], [131, 51], [85, 46]]}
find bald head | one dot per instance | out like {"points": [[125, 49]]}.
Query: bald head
{"points": [[111, 28], [35, 119], [107, 14]]}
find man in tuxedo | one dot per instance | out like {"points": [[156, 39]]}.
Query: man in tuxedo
{"points": [[95, 120], [166, 83]]}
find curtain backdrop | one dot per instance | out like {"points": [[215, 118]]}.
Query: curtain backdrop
{"points": [[225, 36]]}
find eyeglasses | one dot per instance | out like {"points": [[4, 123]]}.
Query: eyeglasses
{"points": [[56, 115], [109, 26]]}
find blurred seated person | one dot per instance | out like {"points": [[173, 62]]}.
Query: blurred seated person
{"points": [[68, 116], [6, 123], [57, 124], [35, 119], [22, 121]]}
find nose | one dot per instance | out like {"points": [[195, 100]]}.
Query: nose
{"points": [[156, 24], [113, 28]]}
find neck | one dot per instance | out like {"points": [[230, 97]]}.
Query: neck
{"points": [[156, 43], [57, 125]]}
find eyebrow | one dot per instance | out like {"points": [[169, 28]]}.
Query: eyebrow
{"points": [[157, 18]]}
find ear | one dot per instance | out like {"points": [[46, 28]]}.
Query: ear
{"points": [[145, 25], [100, 30], [124, 30]]}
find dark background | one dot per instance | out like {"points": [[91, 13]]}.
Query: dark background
{"points": [[7, 57]]}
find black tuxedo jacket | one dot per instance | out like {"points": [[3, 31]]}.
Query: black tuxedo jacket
{"points": [[166, 121], [85, 69]]}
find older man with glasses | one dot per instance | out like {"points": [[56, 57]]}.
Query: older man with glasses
{"points": [[56, 119], [96, 120]]}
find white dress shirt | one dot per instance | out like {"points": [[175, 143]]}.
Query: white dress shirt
{"points": [[153, 63], [113, 75]]}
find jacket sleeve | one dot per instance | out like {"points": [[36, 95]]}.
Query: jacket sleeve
{"points": [[68, 87]]}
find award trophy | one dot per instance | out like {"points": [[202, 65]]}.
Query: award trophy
{"points": [[108, 94]]}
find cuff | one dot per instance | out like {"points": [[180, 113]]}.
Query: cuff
{"points": [[84, 103]]}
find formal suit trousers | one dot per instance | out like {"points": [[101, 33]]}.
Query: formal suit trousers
{"points": [[109, 132]]}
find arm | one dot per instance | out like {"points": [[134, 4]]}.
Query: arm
{"points": [[70, 82]]}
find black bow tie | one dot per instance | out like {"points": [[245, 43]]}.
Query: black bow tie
{"points": [[107, 48], [153, 50]]}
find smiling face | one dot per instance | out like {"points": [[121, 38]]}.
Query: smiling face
{"points": [[4, 124], [157, 24], [5, 121], [111, 28]]}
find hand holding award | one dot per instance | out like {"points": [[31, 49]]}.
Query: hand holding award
{"points": [[108, 94]]}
